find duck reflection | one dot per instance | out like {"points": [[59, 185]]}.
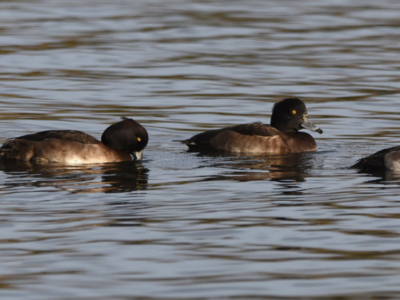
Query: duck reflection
{"points": [[383, 177], [105, 178], [125, 177], [284, 168]]}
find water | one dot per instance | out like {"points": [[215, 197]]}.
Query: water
{"points": [[181, 225]]}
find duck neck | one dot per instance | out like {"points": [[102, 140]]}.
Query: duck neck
{"points": [[281, 125]]}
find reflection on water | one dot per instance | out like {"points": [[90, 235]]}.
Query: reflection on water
{"points": [[181, 225], [288, 167], [384, 177], [106, 178]]}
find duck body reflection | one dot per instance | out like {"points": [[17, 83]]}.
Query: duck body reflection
{"points": [[291, 167], [105, 178]]}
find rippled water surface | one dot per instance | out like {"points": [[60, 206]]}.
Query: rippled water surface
{"points": [[181, 225]]}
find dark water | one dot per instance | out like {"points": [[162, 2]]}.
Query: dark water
{"points": [[180, 225]]}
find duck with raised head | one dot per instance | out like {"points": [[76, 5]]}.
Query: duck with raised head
{"points": [[281, 137], [122, 141]]}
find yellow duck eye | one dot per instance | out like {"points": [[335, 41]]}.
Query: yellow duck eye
{"points": [[294, 112], [139, 139]]}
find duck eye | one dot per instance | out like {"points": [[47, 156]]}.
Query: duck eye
{"points": [[139, 139], [294, 112]]}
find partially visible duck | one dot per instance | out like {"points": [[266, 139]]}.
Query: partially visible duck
{"points": [[282, 136], [386, 159], [121, 141]]}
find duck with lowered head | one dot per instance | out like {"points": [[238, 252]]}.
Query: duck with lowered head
{"points": [[121, 141]]}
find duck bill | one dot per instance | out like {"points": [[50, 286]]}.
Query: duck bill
{"points": [[310, 126], [138, 155]]}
